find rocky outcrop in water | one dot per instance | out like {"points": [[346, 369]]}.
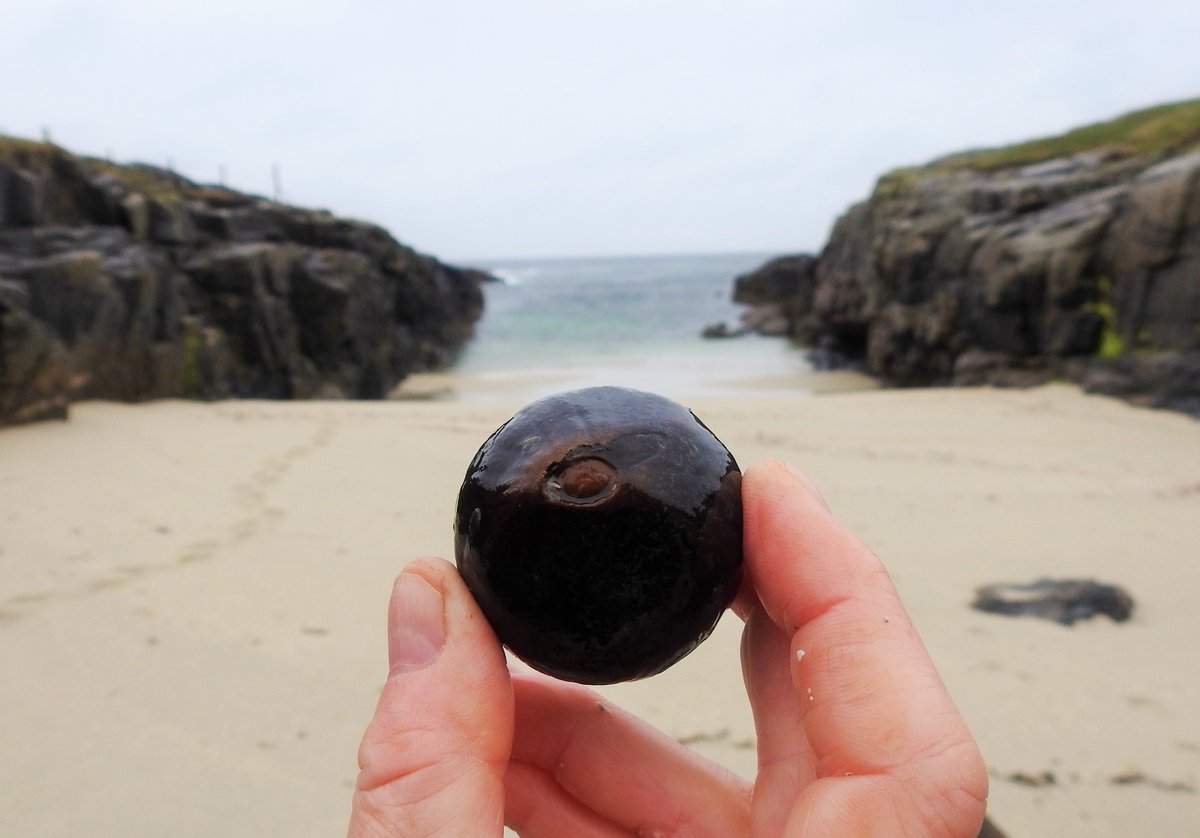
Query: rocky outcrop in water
{"points": [[132, 283], [773, 295], [1018, 266]]}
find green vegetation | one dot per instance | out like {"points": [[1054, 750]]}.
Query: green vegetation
{"points": [[899, 182], [1163, 129], [192, 374], [1111, 344], [17, 152], [157, 184]]}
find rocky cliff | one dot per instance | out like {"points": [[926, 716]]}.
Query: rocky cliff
{"points": [[1072, 257], [131, 283]]}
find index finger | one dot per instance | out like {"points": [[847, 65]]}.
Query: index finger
{"points": [[870, 697]]}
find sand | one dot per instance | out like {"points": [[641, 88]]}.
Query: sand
{"points": [[192, 598]]}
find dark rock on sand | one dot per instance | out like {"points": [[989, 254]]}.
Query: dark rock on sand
{"points": [[132, 283], [990, 830], [1061, 600]]}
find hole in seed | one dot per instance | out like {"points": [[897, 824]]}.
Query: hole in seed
{"points": [[585, 481]]}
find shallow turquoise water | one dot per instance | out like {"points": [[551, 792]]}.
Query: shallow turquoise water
{"points": [[632, 321]]}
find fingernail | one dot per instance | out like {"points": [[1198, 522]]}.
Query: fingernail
{"points": [[416, 624]]}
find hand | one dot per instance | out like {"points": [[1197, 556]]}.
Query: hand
{"points": [[856, 732]]}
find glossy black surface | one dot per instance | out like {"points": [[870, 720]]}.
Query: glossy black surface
{"points": [[601, 533]]}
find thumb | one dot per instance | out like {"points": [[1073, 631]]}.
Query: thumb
{"points": [[433, 758]]}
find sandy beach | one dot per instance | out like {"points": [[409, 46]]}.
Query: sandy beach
{"points": [[193, 597]]}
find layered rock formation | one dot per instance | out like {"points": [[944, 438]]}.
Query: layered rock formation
{"points": [[774, 295], [131, 282], [1076, 257]]}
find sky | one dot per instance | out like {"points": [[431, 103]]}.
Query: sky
{"points": [[478, 130]]}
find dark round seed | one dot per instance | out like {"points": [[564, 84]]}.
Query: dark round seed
{"points": [[601, 533]]}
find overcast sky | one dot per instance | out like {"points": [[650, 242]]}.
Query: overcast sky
{"points": [[476, 129]]}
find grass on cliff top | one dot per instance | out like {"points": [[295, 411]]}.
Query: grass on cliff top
{"points": [[1162, 129], [152, 182], [18, 152], [167, 186], [37, 155]]}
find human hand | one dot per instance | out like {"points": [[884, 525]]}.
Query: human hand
{"points": [[856, 736]]}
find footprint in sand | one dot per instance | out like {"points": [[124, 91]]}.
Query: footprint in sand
{"points": [[198, 551], [243, 529], [251, 496]]}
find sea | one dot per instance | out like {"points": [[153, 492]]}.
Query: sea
{"points": [[634, 321]]}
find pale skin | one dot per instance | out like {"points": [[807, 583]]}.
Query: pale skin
{"points": [[856, 732]]}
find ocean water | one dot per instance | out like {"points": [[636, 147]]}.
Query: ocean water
{"points": [[554, 324]]}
